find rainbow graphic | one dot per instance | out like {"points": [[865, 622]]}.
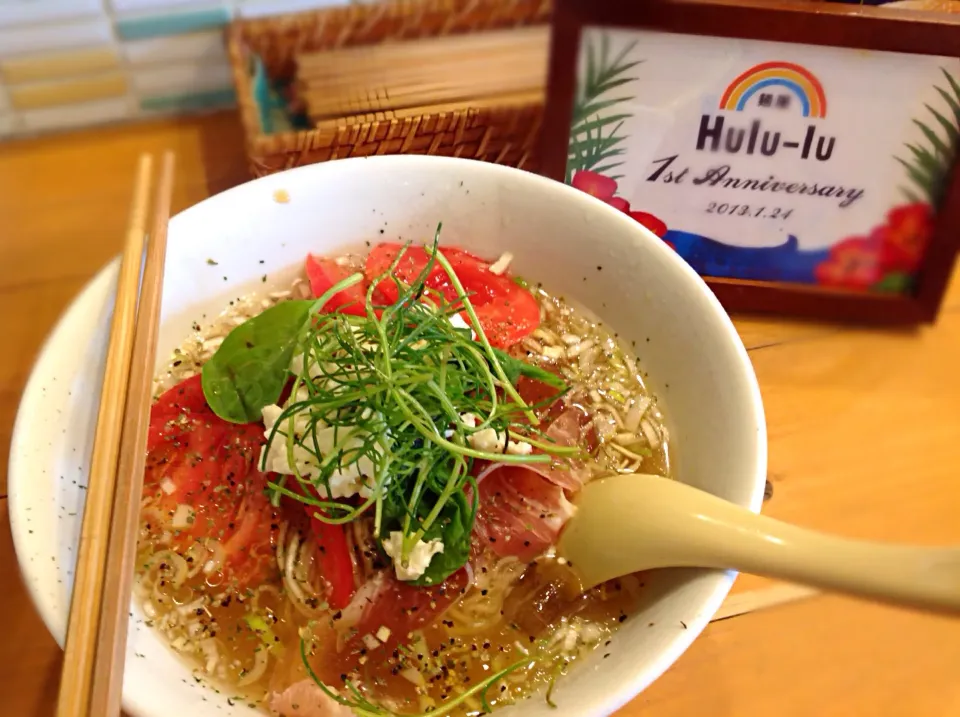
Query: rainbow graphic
{"points": [[799, 80]]}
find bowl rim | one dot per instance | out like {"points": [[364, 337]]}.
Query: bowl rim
{"points": [[605, 705]]}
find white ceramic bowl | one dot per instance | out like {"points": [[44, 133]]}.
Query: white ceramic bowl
{"points": [[577, 245]]}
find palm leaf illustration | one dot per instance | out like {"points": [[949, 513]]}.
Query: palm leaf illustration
{"points": [[928, 164], [595, 137]]}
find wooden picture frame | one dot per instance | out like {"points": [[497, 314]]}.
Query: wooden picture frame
{"points": [[815, 25]]}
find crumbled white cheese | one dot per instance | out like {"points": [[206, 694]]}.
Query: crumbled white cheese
{"points": [[458, 322], [491, 441], [417, 561], [352, 479], [383, 634]]}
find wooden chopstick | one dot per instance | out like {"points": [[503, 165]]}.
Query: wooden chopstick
{"points": [[747, 602], [91, 552], [81, 653], [122, 547]]}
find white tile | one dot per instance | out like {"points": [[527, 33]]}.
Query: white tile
{"points": [[260, 8], [20, 12], [205, 46], [8, 124], [77, 115], [183, 78], [122, 6], [39, 38]]}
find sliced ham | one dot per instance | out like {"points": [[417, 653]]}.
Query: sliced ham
{"points": [[306, 699], [399, 607], [522, 510]]}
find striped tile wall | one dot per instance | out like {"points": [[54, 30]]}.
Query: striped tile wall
{"points": [[74, 63]]}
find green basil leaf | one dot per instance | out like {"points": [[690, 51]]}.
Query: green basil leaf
{"points": [[251, 367], [453, 527]]}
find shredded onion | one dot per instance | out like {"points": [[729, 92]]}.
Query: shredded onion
{"points": [[217, 557], [650, 433], [501, 264], [210, 651], [260, 660], [413, 676], [191, 607], [175, 562], [639, 407]]}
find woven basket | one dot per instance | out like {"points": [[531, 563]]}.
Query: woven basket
{"points": [[505, 135]]}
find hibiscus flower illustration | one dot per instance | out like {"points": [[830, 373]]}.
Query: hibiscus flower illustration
{"points": [[907, 234], [605, 189], [854, 263]]}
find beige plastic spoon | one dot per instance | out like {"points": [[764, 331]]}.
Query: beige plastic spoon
{"points": [[628, 523]]}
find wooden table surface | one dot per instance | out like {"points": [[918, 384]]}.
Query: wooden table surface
{"points": [[864, 440]]}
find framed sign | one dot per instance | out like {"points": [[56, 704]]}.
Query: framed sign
{"points": [[801, 156]]}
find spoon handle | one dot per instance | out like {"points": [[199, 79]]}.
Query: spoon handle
{"points": [[669, 524]]}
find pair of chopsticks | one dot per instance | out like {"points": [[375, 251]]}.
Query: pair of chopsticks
{"points": [[92, 677]]}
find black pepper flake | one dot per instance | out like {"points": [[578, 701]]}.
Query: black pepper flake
{"points": [[684, 624], [622, 618]]}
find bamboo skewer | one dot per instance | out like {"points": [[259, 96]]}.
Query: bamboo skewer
{"points": [[96, 605], [408, 78], [530, 69], [414, 96], [454, 67], [513, 100], [122, 548], [424, 50]]}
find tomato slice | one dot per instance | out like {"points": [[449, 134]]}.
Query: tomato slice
{"points": [[202, 476], [412, 262], [335, 565], [325, 273], [185, 396], [507, 312]]}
